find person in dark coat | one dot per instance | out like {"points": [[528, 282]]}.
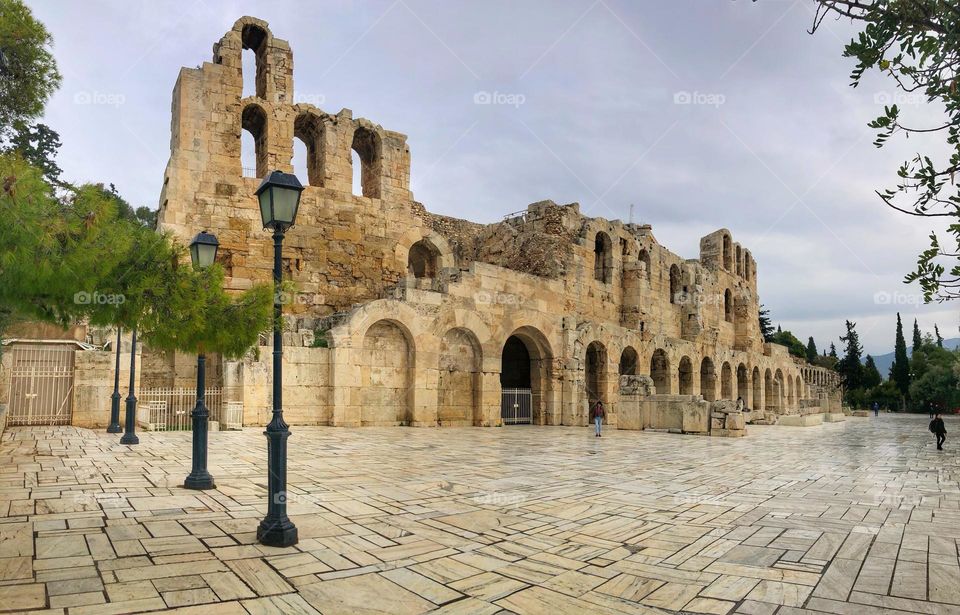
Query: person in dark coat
{"points": [[939, 429]]}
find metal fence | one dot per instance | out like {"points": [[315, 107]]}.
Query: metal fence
{"points": [[169, 409], [516, 406], [41, 385]]}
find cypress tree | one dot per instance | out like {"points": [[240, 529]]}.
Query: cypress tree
{"points": [[917, 338], [936, 330], [833, 350], [900, 370], [811, 351]]}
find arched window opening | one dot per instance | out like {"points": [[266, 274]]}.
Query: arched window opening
{"points": [[728, 305], [757, 389], [367, 157], [739, 261], [644, 257], [660, 372], [685, 374], [628, 362], [727, 254], [602, 258], [726, 382], [423, 260], [253, 41], [254, 122], [596, 374], [299, 160], [674, 284], [308, 152], [708, 380]]}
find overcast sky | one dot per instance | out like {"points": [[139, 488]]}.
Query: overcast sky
{"points": [[701, 113]]}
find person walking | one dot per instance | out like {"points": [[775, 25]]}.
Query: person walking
{"points": [[939, 429], [876, 409], [598, 414]]}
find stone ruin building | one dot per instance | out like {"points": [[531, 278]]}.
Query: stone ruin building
{"points": [[404, 317]]}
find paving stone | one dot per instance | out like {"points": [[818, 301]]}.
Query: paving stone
{"points": [[793, 522]]}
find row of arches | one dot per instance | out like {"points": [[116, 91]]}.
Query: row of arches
{"points": [[776, 389], [603, 268], [737, 260], [819, 376], [310, 155], [389, 368], [455, 373]]}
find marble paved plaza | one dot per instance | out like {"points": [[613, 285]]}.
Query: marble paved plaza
{"points": [[851, 518]]}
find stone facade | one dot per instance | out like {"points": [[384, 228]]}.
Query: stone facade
{"points": [[424, 319]]}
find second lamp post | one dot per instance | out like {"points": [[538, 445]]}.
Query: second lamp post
{"points": [[203, 253], [279, 197]]}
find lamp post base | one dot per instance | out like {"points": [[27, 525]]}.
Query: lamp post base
{"points": [[279, 533], [199, 480], [114, 426], [129, 438]]}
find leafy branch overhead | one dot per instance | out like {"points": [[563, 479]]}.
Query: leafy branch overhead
{"points": [[916, 43]]}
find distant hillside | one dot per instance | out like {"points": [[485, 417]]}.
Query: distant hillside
{"points": [[884, 361]]}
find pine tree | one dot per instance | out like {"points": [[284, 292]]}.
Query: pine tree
{"points": [[833, 350], [900, 370], [936, 331], [917, 338], [811, 351], [850, 366], [871, 375]]}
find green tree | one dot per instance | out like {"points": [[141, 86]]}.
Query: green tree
{"points": [[833, 351], [811, 351], [900, 369], [38, 144], [917, 338], [935, 386], [915, 44], [766, 327], [28, 71], [786, 338], [936, 332], [75, 258], [871, 375], [885, 394], [850, 366]]}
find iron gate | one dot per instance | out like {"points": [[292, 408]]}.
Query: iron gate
{"points": [[516, 407], [41, 385]]}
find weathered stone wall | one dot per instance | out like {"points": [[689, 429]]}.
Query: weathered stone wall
{"points": [[92, 391], [417, 307]]}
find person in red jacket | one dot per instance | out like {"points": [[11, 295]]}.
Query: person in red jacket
{"points": [[598, 414]]}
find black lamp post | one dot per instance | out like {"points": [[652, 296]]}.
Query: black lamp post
{"points": [[203, 252], [130, 423], [114, 426], [279, 197]]}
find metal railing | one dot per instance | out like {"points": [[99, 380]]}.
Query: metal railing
{"points": [[41, 385], [516, 406], [169, 408]]}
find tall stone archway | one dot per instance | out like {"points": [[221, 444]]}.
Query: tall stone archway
{"points": [[660, 372], [458, 386], [708, 380], [386, 375]]}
